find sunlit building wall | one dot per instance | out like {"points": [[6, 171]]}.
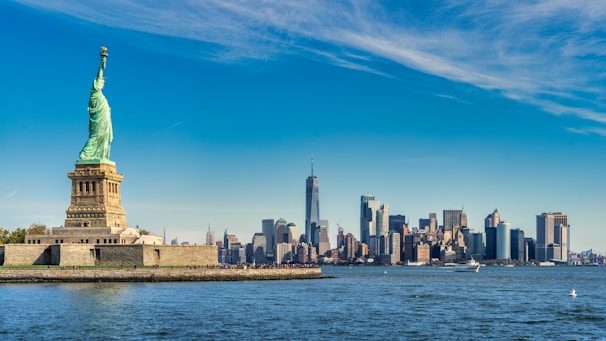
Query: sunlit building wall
{"points": [[504, 240]]}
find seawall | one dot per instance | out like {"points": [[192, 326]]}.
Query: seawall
{"points": [[154, 275]]}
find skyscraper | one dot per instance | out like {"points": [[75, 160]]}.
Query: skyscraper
{"points": [[323, 241], [429, 224], [210, 236], [518, 249], [476, 245], [312, 208], [340, 238], [368, 209], [383, 220], [531, 248], [503, 240], [493, 219], [351, 247], [452, 224], [279, 230], [267, 227], [451, 218], [397, 223], [259, 244], [293, 233], [490, 227], [552, 236]]}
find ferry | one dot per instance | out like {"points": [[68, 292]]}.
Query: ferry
{"points": [[471, 266]]}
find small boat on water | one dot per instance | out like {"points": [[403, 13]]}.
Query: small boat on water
{"points": [[409, 263], [572, 293], [471, 266]]}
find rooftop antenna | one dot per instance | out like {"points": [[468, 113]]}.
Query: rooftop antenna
{"points": [[312, 164]]}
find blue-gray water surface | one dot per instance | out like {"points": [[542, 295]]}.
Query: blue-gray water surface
{"points": [[359, 303]]}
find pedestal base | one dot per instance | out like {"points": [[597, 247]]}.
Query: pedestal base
{"points": [[95, 200]]}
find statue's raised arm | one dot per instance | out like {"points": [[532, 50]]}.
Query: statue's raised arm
{"points": [[100, 134], [103, 55]]}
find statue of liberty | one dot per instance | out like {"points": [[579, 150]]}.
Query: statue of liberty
{"points": [[100, 133]]}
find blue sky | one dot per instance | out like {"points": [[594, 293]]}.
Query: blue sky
{"points": [[218, 106]]}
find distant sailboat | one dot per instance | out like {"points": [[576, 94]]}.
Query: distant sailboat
{"points": [[572, 293]]}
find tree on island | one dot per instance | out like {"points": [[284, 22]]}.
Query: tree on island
{"points": [[37, 229], [15, 237], [142, 231], [3, 235], [18, 236]]}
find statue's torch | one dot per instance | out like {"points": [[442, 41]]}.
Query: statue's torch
{"points": [[103, 55]]}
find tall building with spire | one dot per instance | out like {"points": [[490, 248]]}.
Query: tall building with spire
{"points": [[210, 236], [312, 208], [340, 237]]}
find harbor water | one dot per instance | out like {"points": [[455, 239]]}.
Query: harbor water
{"points": [[356, 303]]}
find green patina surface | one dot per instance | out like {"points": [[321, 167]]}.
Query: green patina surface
{"points": [[95, 162], [100, 133]]}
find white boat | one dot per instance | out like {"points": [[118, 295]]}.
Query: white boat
{"points": [[572, 293], [471, 266], [409, 263]]}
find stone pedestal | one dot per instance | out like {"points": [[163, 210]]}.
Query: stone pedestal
{"points": [[95, 200]]}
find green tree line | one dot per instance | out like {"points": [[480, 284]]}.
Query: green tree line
{"points": [[18, 236]]}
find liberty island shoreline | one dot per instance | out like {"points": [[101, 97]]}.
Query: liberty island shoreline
{"points": [[155, 274]]}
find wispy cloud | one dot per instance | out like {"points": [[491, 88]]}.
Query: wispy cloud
{"points": [[10, 195], [588, 131], [453, 98], [546, 53], [167, 128]]}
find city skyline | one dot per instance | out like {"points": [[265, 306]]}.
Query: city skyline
{"points": [[217, 106]]}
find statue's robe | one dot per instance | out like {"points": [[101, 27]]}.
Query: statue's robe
{"points": [[100, 134]]}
